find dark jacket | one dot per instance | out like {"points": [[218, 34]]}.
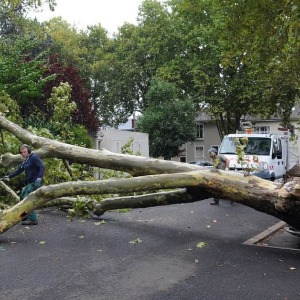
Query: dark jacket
{"points": [[33, 166]]}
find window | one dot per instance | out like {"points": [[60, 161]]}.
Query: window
{"points": [[255, 146], [182, 159], [200, 130], [199, 153], [277, 149], [261, 129], [215, 146]]}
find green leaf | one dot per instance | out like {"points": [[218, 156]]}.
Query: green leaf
{"points": [[99, 223], [201, 245], [138, 240]]}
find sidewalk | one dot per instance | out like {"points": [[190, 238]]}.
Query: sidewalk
{"points": [[186, 251], [277, 236]]}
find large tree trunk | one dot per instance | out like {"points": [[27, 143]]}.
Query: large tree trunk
{"points": [[194, 183]]}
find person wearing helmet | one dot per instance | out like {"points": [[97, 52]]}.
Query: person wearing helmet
{"points": [[220, 162]]}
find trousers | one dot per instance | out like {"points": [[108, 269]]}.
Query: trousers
{"points": [[29, 188]]}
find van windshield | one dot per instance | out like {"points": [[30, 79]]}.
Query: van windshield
{"points": [[256, 146]]}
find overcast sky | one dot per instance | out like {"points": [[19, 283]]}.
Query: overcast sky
{"points": [[111, 14]]}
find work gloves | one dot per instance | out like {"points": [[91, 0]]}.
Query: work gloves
{"points": [[38, 183], [5, 178]]}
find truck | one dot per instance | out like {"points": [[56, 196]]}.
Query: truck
{"points": [[266, 154]]}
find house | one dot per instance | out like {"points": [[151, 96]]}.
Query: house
{"points": [[207, 137], [114, 139]]}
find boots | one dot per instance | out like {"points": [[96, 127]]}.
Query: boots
{"points": [[216, 202]]}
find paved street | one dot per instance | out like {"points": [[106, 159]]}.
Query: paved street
{"points": [[187, 251]]}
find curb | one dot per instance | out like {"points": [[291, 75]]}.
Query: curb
{"points": [[263, 235]]}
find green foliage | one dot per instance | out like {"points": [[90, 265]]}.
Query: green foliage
{"points": [[60, 104], [9, 107], [60, 126], [232, 57], [169, 120], [25, 5], [237, 53], [124, 210], [115, 75], [81, 137], [127, 148], [107, 174], [21, 73], [13, 13], [240, 145], [79, 209], [85, 113]]}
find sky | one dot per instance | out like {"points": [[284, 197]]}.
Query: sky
{"points": [[111, 14]]}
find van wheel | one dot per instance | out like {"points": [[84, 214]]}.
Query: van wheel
{"points": [[272, 176]]}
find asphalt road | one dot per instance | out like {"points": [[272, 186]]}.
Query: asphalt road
{"points": [[186, 251]]}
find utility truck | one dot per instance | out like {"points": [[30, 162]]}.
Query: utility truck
{"points": [[266, 154]]}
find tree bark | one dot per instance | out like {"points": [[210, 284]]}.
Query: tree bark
{"points": [[198, 183]]}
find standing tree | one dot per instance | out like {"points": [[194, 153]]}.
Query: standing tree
{"points": [[13, 12], [169, 120], [237, 53], [22, 70], [84, 114]]}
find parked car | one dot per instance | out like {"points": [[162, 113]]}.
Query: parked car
{"points": [[202, 163]]}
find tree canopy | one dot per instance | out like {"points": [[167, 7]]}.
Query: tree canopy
{"points": [[31, 66], [233, 58]]}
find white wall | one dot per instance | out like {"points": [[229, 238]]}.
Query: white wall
{"points": [[113, 140]]}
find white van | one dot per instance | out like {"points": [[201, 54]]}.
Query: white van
{"points": [[267, 154]]}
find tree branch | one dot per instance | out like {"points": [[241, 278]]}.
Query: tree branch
{"points": [[134, 165], [250, 190], [11, 192], [199, 182]]}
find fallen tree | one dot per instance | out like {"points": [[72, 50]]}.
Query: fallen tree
{"points": [[180, 182]]}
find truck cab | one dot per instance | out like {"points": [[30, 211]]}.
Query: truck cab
{"points": [[266, 154]]}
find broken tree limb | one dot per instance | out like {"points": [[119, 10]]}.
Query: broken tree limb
{"points": [[281, 201], [98, 208], [10, 192], [250, 190], [47, 148]]}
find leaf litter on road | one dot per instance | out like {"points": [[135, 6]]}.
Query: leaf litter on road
{"points": [[201, 245], [138, 240]]}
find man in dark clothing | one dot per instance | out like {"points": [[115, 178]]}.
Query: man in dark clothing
{"points": [[220, 162], [34, 172]]}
